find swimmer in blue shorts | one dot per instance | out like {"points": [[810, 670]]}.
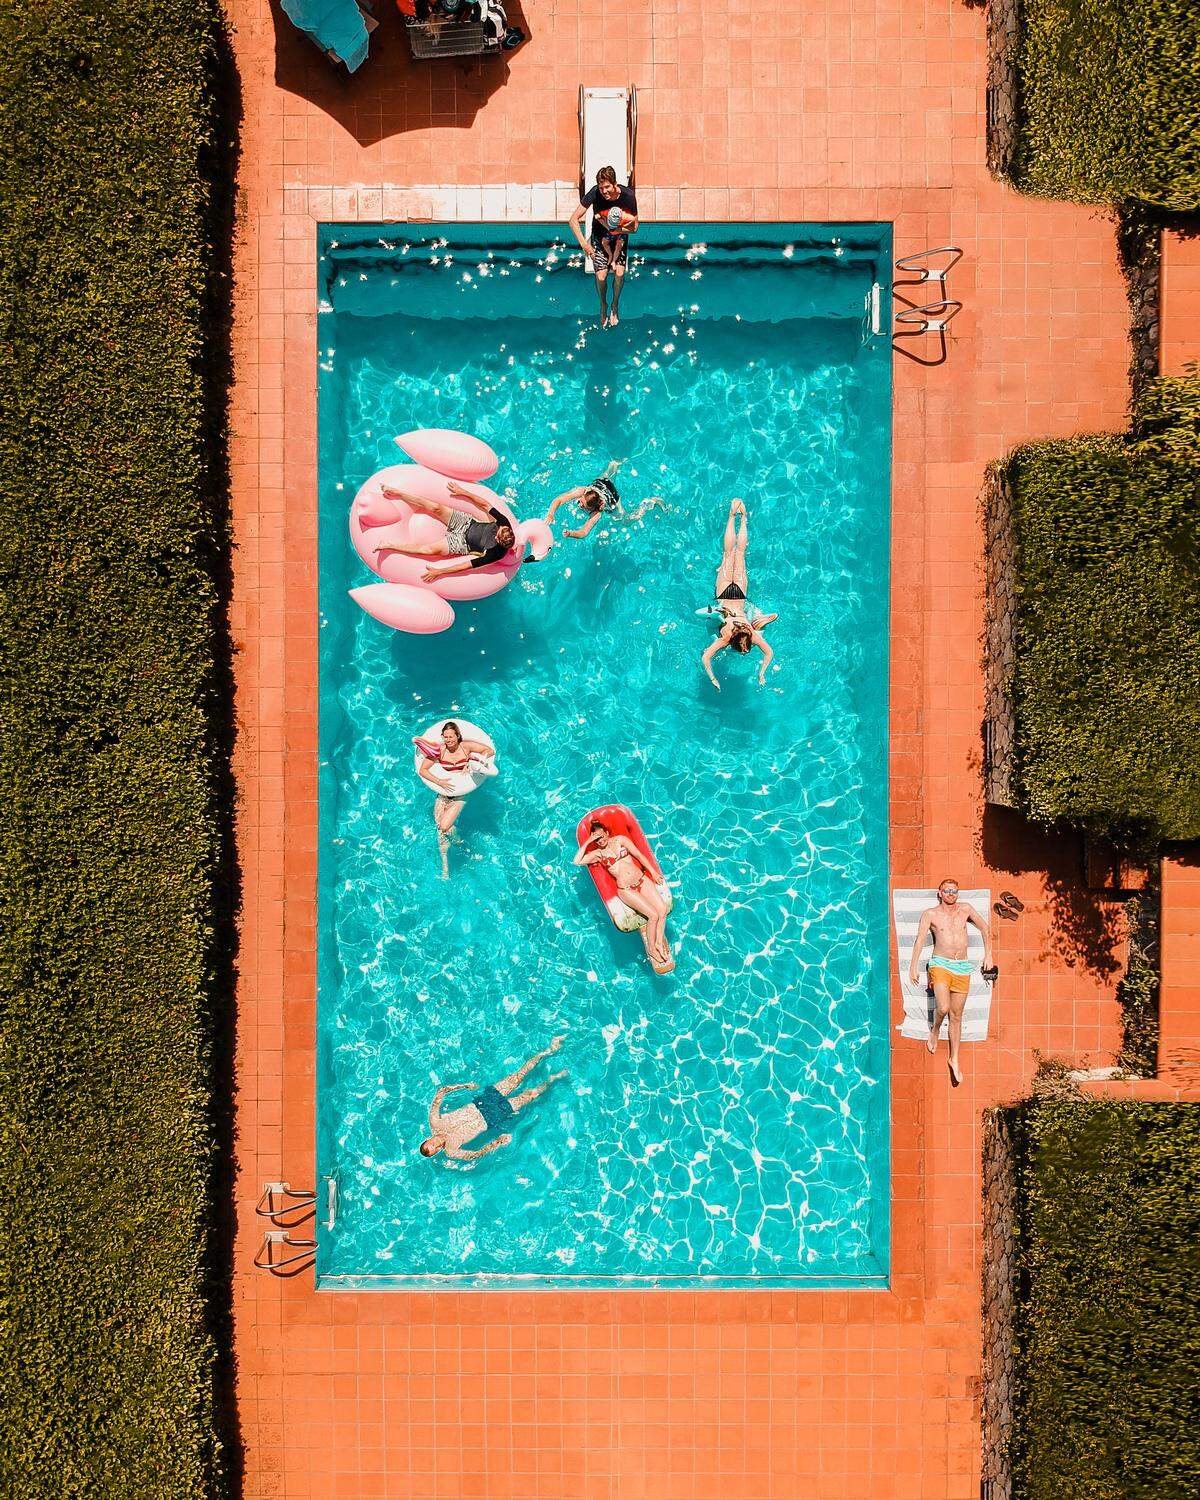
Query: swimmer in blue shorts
{"points": [[489, 1110], [742, 623]]}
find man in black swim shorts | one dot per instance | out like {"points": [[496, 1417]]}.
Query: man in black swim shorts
{"points": [[492, 1108], [607, 250]]}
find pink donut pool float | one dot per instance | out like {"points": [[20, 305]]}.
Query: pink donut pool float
{"points": [[401, 599]]}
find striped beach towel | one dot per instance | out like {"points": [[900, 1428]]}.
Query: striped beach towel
{"points": [[907, 907]]}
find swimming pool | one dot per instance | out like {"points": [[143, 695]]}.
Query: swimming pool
{"points": [[728, 1124]]}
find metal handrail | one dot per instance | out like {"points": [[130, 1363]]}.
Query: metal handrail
{"points": [[301, 1198], [909, 264], [582, 163], [632, 133], [928, 316], [265, 1259]]}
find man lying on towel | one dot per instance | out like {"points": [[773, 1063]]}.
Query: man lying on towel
{"points": [[949, 968]]}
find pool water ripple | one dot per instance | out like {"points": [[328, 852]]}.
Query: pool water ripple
{"points": [[728, 1122]]}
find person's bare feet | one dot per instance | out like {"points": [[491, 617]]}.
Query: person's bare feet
{"points": [[557, 1043], [956, 1073], [933, 1039], [554, 1077], [613, 320], [737, 506]]}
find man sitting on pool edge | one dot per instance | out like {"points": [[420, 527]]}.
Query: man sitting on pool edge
{"points": [[607, 249], [450, 1130]]}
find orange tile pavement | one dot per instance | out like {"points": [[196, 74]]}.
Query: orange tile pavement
{"points": [[1179, 322], [852, 110], [1179, 1024]]}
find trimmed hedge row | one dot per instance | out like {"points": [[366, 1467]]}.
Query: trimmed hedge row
{"points": [[110, 550], [1105, 689], [1108, 1404], [1137, 994], [1109, 101]]}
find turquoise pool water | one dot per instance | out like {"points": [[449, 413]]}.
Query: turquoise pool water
{"points": [[727, 1124]]}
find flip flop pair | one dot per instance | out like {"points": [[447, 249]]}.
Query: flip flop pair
{"points": [[1009, 906]]}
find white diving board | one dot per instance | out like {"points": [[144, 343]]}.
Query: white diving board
{"points": [[607, 135]]}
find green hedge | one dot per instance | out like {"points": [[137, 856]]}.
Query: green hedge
{"points": [[1109, 101], [1137, 994], [1108, 1338], [1105, 689], [110, 551]]}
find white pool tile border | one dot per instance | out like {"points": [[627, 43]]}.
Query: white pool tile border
{"points": [[512, 202]]}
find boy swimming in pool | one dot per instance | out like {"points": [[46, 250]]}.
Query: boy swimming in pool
{"points": [[597, 499], [492, 1108], [742, 623], [949, 967]]}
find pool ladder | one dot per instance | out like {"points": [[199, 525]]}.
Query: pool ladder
{"points": [[872, 312], [927, 269], [933, 317], [916, 266], [287, 1208]]}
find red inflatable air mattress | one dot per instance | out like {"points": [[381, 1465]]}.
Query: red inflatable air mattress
{"points": [[619, 821]]}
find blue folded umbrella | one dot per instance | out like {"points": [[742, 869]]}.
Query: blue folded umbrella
{"points": [[336, 26]]}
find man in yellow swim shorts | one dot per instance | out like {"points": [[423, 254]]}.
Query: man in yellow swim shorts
{"points": [[949, 967]]}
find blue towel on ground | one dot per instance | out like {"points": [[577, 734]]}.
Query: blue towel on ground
{"points": [[334, 25]]}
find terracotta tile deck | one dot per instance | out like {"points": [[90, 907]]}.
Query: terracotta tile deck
{"points": [[1179, 1031], [1179, 341], [816, 112]]}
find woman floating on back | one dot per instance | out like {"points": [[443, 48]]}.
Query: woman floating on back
{"points": [[742, 623]]}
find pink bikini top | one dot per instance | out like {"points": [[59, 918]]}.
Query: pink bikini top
{"points": [[437, 753]]}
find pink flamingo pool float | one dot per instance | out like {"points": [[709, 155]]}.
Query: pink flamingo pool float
{"points": [[402, 600]]}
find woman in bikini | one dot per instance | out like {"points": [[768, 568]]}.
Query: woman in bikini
{"points": [[635, 886], [742, 624], [453, 754], [597, 499]]}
